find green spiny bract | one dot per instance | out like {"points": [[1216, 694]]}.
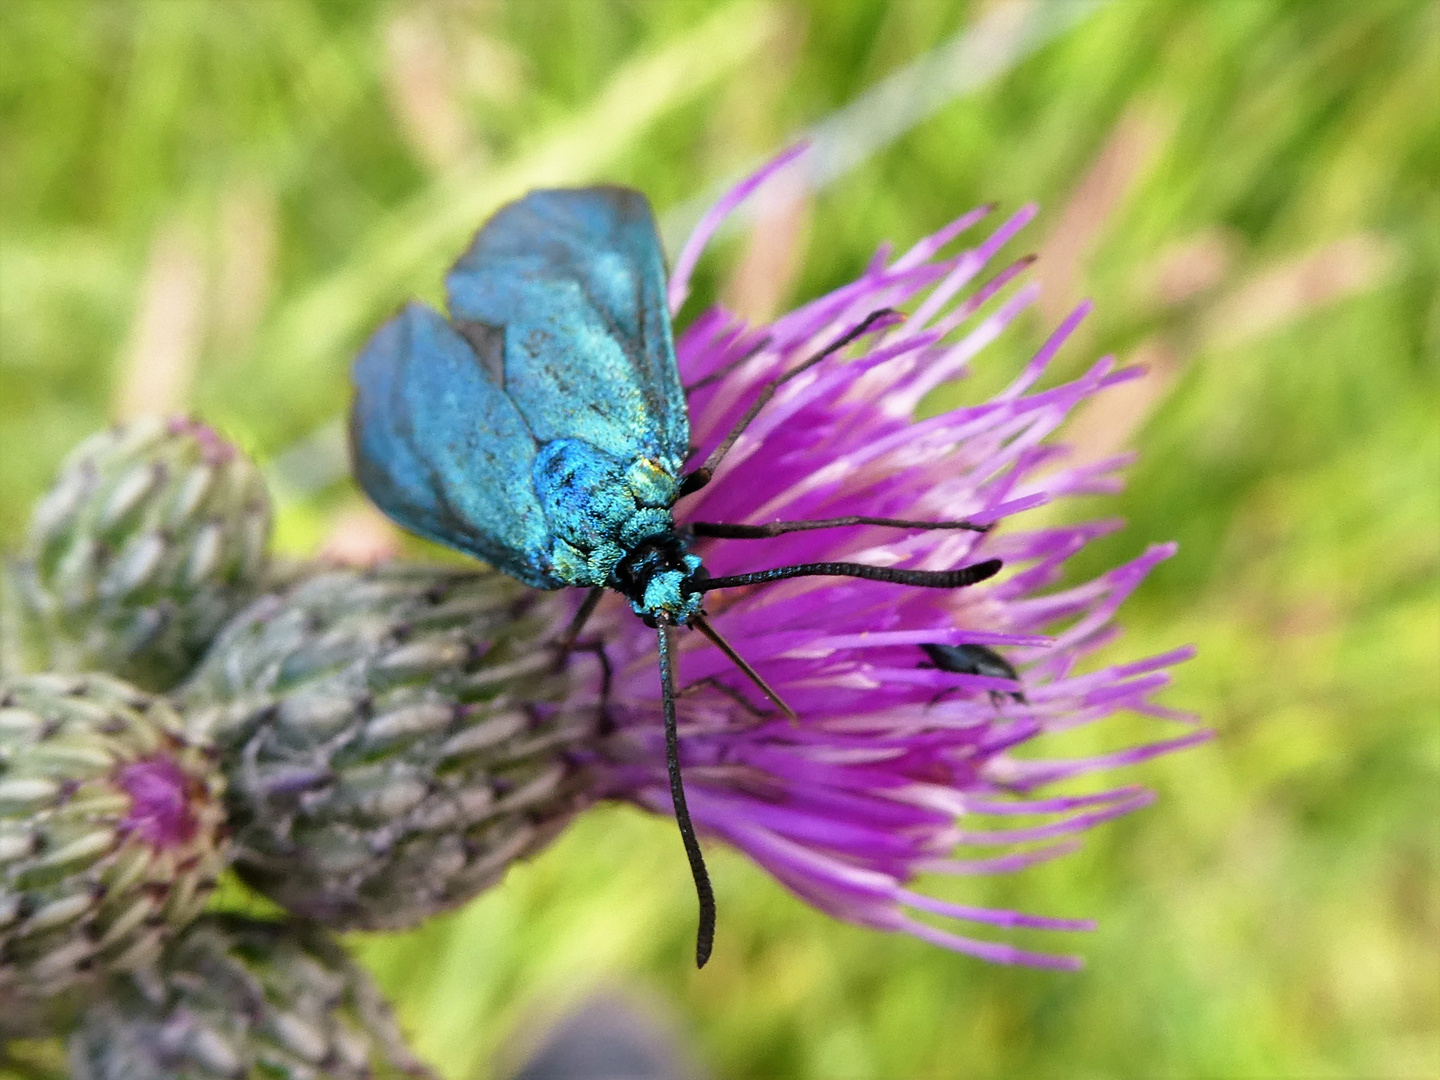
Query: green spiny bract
{"points": [[111, 835], [237, 998], [152, 536], [389, 739]]}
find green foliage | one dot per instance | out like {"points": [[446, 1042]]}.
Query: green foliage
{"points": [[1273, 914]]}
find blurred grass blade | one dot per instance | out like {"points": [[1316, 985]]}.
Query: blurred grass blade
{"points": [[423, 236], [1001, 36]]}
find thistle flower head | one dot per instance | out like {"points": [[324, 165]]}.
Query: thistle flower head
{"points": [[891, 754], [111, 835], [153, 534], [391, 739]]}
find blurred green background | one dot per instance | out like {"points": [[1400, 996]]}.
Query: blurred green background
{"points": [[207, 205]]}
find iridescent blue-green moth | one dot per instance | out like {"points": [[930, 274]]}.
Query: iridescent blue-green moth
{"points": [[542, 428]]}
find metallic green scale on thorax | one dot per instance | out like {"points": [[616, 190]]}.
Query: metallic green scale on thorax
{"points": [[601, 510]]}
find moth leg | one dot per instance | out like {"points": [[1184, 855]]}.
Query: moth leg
{"points": [[729, 691], [568, 643], [567, 640], [713, 635], [607, 674]]}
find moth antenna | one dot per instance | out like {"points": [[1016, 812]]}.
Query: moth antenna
{"points": [[733, 694], [705, 933], [928, 579], [696, 480], [720, 373], [735, 658], [780, 528]]}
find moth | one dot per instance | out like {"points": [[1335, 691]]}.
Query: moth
{"points": [[541, 426]]}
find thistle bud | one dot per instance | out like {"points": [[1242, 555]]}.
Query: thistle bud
{"points": [[235, 998], [152, 536], [111, 833], [392, 739]]}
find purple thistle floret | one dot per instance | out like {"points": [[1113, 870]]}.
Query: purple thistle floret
{"points": [[161, 811], [890, 755]]}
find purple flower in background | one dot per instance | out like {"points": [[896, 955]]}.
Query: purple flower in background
{"points": [[873, 784]]}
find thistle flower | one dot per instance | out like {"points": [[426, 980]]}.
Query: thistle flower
{"points": [[873, 785]]}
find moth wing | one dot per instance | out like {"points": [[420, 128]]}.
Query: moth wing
{"points": [[443, 451], [574, 281]]}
